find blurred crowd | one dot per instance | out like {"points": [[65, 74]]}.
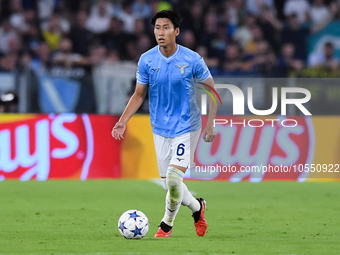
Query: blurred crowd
{"points": [[9, 102], [235, 37]]}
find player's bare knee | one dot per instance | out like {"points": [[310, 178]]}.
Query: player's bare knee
{"points": [[183, 169]]}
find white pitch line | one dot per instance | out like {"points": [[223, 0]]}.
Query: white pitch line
{"points": [[159, 183], [126, 253]]}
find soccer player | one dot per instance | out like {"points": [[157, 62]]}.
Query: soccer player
{"points": [[168, 69]]}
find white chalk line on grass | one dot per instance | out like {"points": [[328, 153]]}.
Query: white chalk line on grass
{"points": [[152, 253], [110, 253], [131, 253], [159, 183]]}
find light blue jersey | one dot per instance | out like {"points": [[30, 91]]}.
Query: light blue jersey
{"points": [[172, 95]]}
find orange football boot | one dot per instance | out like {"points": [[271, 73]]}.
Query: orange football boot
{"points": [[162, 233], [200, 222]]}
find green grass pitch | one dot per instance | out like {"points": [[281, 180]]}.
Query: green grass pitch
{"points": [[73, 217]]}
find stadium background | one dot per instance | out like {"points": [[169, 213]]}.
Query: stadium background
{"points": [[81, 57], [67, 69]]}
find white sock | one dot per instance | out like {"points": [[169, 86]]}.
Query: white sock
{"points": [[174, 195], [189, 200], [165, 186]]}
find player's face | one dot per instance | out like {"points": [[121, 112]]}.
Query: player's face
{"points": [[165, 32]]}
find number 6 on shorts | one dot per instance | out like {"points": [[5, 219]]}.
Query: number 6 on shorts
{"points": [[180, 149]]}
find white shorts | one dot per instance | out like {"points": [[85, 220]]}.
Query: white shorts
{"points": [[177, 151]]}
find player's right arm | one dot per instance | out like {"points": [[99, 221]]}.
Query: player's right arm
{"points": [[135, 101], [133, 105]]}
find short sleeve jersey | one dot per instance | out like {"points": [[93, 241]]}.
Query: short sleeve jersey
{"points": [[172, 95]]}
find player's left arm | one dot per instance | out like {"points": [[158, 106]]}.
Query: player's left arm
{"points": [[209, 133], [202, 73]]}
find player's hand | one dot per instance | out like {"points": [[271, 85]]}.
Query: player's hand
{"points": [[118, 130], [209, 133]]}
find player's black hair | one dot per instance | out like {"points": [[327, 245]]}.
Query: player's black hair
{"points": [[173, 16], [329, 45]]}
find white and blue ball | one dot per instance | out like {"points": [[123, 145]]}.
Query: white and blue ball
{"points": [[133, 224]]}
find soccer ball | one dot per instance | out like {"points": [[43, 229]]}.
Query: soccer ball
{"points": [[133, 224]]}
